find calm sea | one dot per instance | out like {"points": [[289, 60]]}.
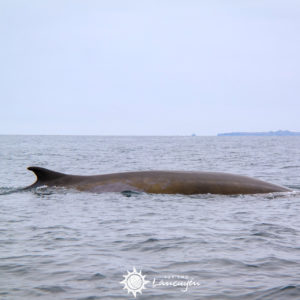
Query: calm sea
{"points": [[63, 244]]}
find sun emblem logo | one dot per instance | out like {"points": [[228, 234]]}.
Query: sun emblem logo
{"points": [[134, 282]]}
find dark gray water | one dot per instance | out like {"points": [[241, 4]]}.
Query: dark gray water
{"points": [[63, 244]]}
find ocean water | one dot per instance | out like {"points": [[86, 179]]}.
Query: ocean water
{"points": [[64, 244]]}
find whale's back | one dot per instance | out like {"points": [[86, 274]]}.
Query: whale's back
{"points": [[162, 182]]}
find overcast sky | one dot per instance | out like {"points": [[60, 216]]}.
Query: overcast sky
{"points": [[153, 67]]}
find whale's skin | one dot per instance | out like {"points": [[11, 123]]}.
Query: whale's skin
{"points": [[158, 182]]}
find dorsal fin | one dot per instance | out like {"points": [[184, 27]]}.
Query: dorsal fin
{"points": [[44, 175]]}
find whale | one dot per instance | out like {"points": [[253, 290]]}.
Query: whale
{"points": [[157, 182]]}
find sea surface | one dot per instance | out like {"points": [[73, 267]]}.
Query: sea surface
{"points": [[64, 244]]}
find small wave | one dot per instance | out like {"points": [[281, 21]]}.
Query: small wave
{"points": [[19, 269], [10, 190], [150, 240], [41, 190], [91, 298], [52, 289], [290, 167], [158, 248], [294, 187], [96, 276], [281, 194], [282, 292], [44, 190], [271, 228]]}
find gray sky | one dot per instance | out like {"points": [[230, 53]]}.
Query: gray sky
{"points": [[149, 67]]}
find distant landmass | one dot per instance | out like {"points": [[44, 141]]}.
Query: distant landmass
{"points": [[269, 133]]}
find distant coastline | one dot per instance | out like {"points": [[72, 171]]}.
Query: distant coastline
{"points": [[269, 133]]}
